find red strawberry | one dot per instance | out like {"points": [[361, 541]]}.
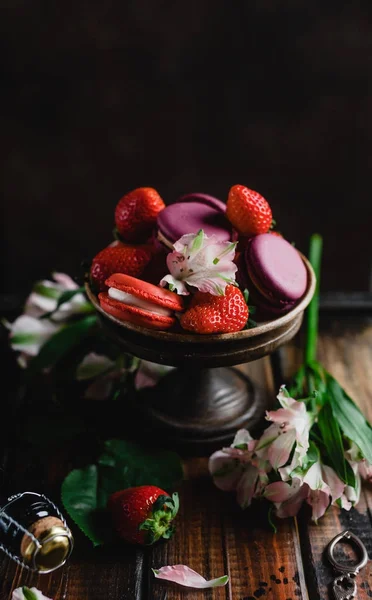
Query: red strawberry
{"points": [[130, 260], [136, 213], [144, 514], [216, 314], [248, 211]]}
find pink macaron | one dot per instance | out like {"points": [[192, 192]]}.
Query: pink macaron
{"points": [[191, 213], [139, 302], [274, 273]]}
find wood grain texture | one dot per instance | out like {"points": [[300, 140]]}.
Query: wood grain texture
{"points": [[213, 535]]}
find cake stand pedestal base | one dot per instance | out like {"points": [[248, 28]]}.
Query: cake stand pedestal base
{"points": [[201, 409]]}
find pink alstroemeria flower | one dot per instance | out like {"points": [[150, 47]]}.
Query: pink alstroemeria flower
{"points": [[45, 295], [149, 374], [287, 498], [28, 333], [238, 468], [291, 425], [325, 488], [365, 470], [187, 577], [201, 262], [358, 463]]}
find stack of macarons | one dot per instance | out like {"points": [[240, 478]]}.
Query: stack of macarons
{"points": [[127, 279]]}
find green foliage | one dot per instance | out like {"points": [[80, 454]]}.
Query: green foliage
{"points": [[60, 344], [123, 464]]}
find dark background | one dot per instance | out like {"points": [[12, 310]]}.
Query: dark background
{"points": [[100, 97]]}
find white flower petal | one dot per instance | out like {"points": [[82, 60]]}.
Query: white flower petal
{"points": [[333, 481], [242, 437], [175, 285], [149, 373], [226, 470], [185, 576], [29, 334], [281, 448], [19, 595], [65, 281], [93, 365], [246, 486]]}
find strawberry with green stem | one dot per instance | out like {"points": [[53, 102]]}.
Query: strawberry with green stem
{"points": [[144, 514]]}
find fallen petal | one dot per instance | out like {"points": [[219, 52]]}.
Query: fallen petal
{"points": [[185, 576]]}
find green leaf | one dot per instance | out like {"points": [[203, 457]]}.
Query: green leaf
{"points": [[128, 463], [46, 291], [350, 418], [331, 436], [123, 464], [61, 343], [64, 297], [315, 256], [81, 500], [28, 594]]}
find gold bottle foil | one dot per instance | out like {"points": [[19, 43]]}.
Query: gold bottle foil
{"points": [[53, 546]]}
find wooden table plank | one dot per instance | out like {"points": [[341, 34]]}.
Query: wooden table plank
{"points": [[198, 543], [262, 563]]}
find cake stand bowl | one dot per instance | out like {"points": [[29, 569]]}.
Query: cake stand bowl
{"points": [[200, 404]]}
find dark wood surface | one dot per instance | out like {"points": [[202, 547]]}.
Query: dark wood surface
{"points": [[214, 536]]}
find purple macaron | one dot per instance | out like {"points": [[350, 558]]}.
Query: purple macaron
{"points": [[275, 274], [191, 213]]}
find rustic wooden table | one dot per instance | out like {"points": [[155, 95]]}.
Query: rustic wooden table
{"points": [[214, 536]]}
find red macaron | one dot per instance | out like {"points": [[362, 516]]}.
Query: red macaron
{"points": [[139, 302]]}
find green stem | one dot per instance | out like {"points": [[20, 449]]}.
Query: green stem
{"points": [[315, 255]]}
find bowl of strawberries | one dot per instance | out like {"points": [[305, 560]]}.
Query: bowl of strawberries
{"points": [[200, 285]]}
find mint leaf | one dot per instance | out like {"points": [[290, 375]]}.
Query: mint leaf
{"points": [[61, 343], [350, 418], [123, 464], [331, 436]]}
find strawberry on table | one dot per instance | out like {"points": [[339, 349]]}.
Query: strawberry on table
{"points": [[216, 314], [122, 258], [144, 514], [136, 214], [248, 211]]}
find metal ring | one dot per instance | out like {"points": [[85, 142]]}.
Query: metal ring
{"points": [[350, 536]]}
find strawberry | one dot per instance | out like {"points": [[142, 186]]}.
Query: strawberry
{"points": [[130, 260], [136, 213], [248, 211], [144, 514], [216, 314]]}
